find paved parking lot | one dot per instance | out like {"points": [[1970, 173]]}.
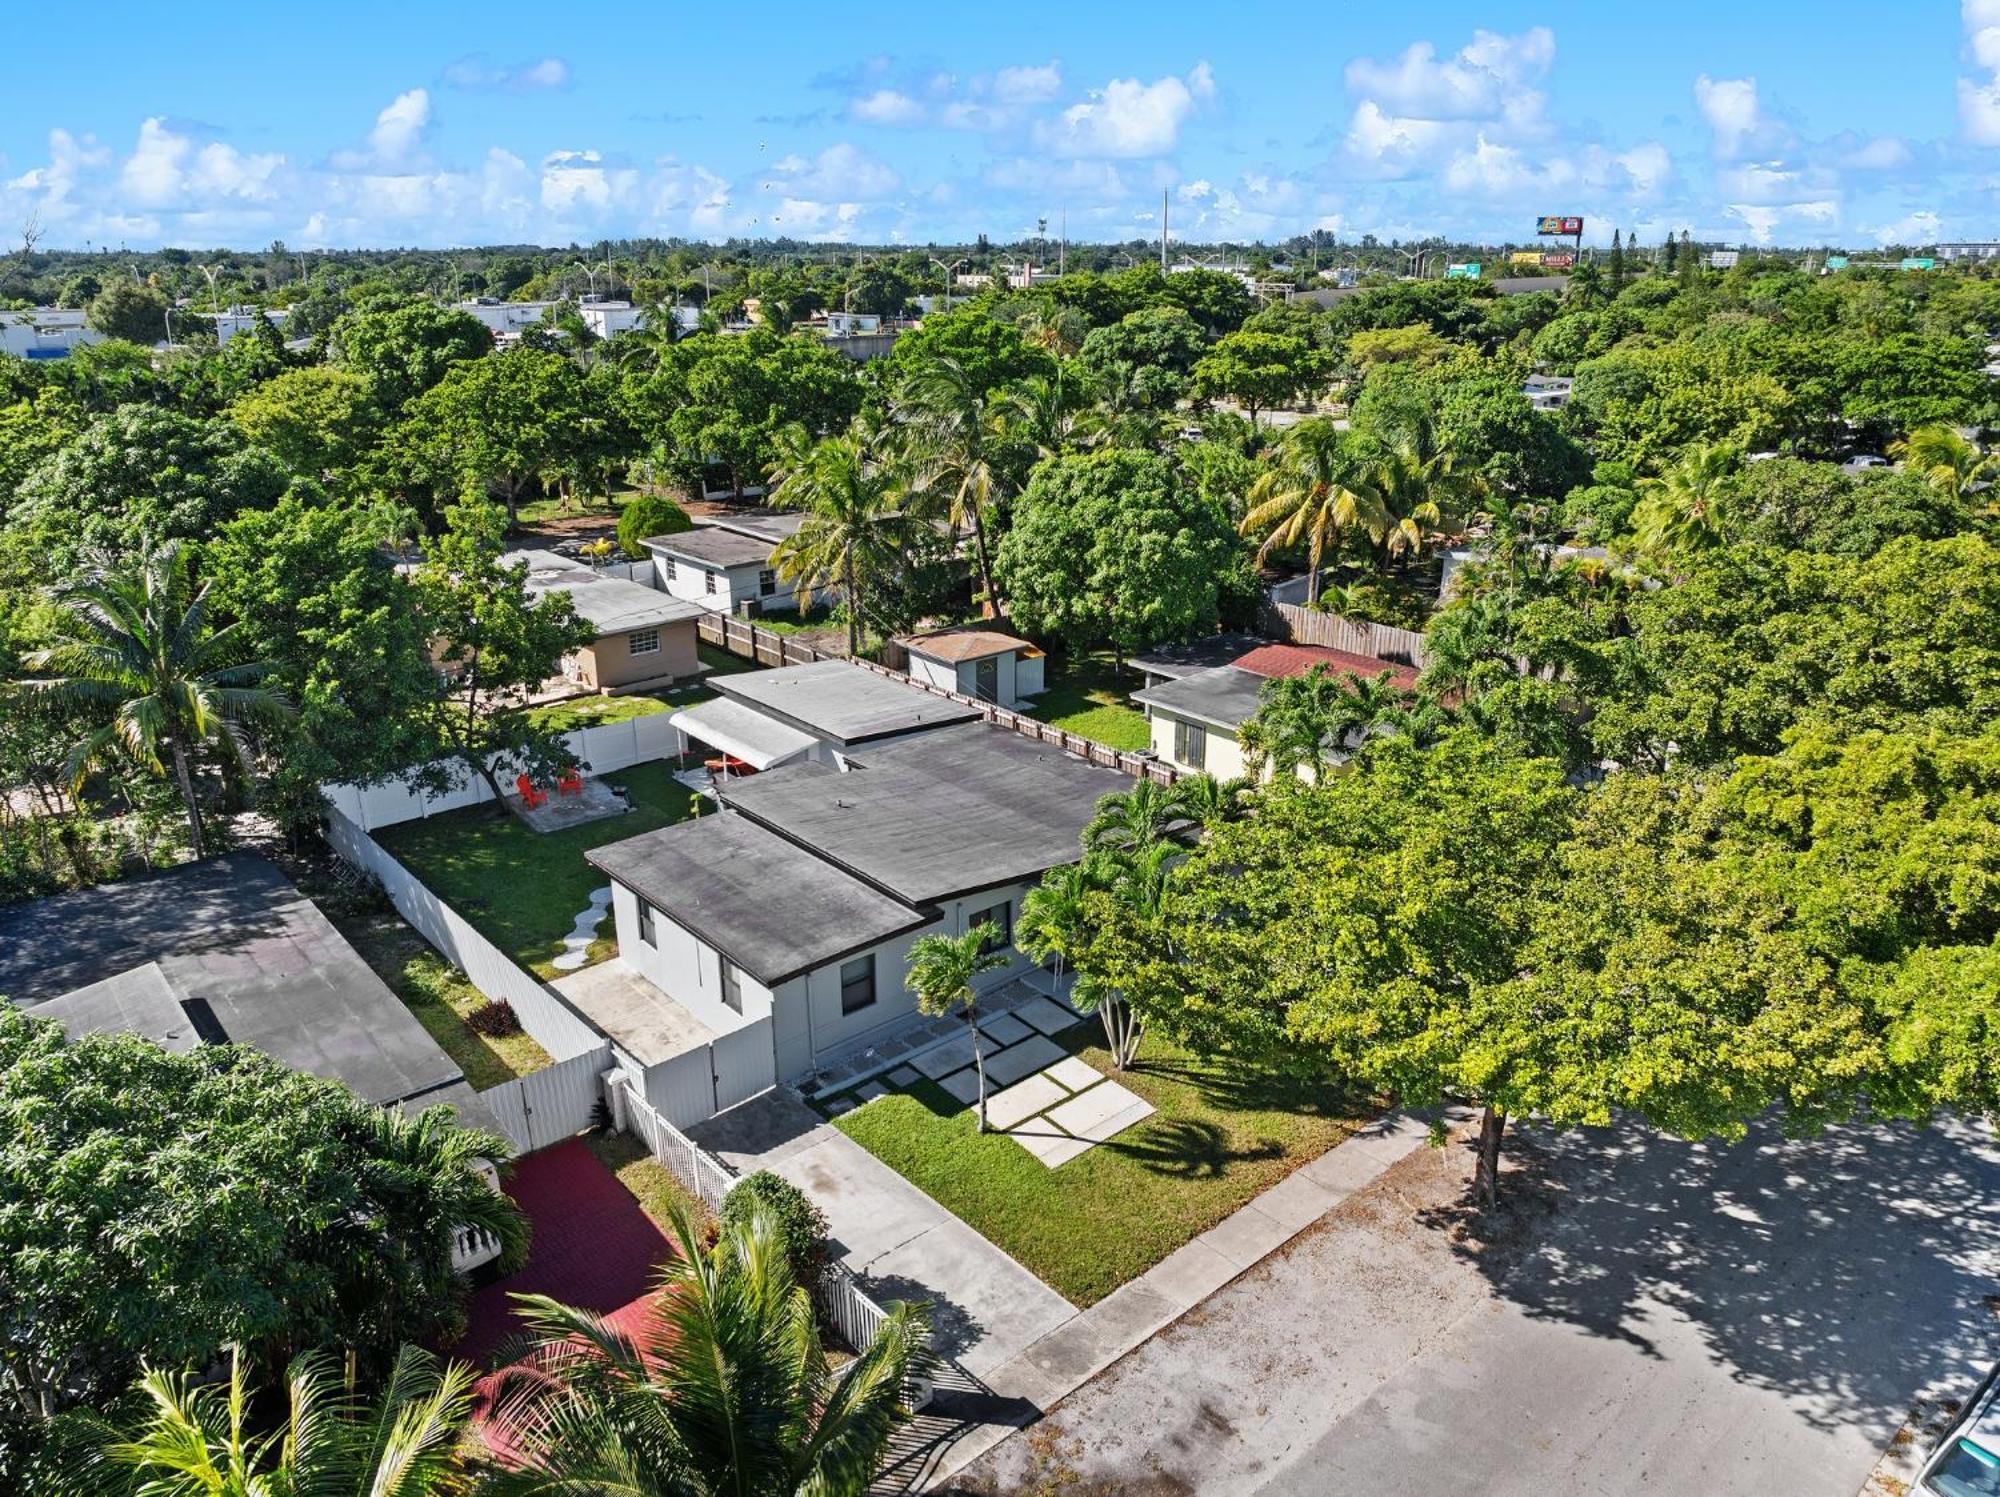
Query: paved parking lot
{"points": [[1663, 1318]]}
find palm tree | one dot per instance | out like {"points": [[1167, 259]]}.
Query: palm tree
{"points": [[1135, 882], [202, 1441], [1037, 415], [1945, 459], [1420, 485], [1302, 722], [853, 528], [1051, 924], [1679, 512], [723, 1390], [1209, 801], [1130, 820], [140, 643], [942, 972], [957, 440], [1585, 289], [440, 1180], [1314, 494]]}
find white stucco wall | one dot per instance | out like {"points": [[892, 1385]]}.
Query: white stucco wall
{"points": [[1224, 755], [685, 968]]}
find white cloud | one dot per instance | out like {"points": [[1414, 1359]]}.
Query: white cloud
{"points": [[579, 181], [1483, 80], [887, 106], [1921, 227], [1028, 85], [1730, 107], [166, 168], [1884, 154], [399, 128], [842, 172], [1130, 118], [476, 72]]}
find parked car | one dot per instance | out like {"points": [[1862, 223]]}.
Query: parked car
{"points": [[1966, 1462]]}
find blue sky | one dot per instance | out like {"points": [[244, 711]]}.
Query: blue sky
{"points": [[371, 124]]}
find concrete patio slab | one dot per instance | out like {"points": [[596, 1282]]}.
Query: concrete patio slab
{"points": [[1004, 1029], [1088, 1110], [1052, 1148], [946, 1058], [903, 1076], [597, 801], [1037, 1094], [963, 1085], [1017, 1061], [1074, 1072], [1109, 1128], [1050, 1018]]}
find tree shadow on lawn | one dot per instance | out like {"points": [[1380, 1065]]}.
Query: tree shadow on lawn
{"points": [[1842, 1271], [1234, 1086], [1187, 1149]]}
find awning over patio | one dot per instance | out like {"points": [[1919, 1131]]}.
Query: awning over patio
{"points": [[743, 733]]}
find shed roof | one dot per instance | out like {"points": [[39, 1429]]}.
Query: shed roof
{"points": [[1224, 697], [743, 732], [750, 894], [713, 547], [963, 644], [842, 702], [767, 524], [1297, 660], [938, 814]]}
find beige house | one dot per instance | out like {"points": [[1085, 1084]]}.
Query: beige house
{"points": [[645, 639]]}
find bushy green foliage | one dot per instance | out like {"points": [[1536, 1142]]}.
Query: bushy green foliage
{"points": [[799, 1224], [649, 515]]}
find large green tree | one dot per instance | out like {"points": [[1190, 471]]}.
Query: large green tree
{"points": [[404, 349], [317, 421]]}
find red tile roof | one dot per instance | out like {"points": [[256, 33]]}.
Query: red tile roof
{"points": [[1296, 660]]}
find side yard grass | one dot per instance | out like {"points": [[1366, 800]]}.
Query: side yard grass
{"points": [[440, 997], [1220, 1136], [651, 1183], [523, 890], [1085, 694]]}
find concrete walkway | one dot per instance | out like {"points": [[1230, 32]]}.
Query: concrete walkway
{"points": [[986, 1309]]}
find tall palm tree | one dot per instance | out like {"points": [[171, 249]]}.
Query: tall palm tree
{"points": [[1211, 802], [853, 530], [1037, 415], [204, 1441], [1052, 922], [1134, 897], [1130, 820], [724, 1390], [943, 971], [139, 643], [1680, 511], [1585, 289], [1421, 485], [1303, 722], [957, 440], [1315, 495], [1945, 459]]}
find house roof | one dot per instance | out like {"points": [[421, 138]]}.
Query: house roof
{"points": [[962, 644], [841, 702], [613, 604], [224, 949], [772, 525], [751, 895], [743, 732], [713, 547], [1297, 660], [936, 815], [1175, 661], [1221, 698]]}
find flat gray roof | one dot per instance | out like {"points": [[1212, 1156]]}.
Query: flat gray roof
{"points": [[753, 896], [1221, 698], [614, 605], [713, 547], [937, 815], [772, 525], [841, 702], [228, 938], [1175, 661]]}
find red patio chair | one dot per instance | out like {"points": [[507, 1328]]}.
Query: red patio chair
{"points": [[571, 783], [530, 796]]}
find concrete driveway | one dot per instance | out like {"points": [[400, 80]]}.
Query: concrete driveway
{"points": [[1657, 1318], [985, 1307]]}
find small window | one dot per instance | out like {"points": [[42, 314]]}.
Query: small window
{"points": [[672, 575], [709, 577], [1001, 918], [1190, 744], [732, 985], [767, 582], [857, 984], [648, 932], [644, 641]]}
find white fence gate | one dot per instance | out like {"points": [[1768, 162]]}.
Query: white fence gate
{"points": [[743, 1064], [547, 1106]]}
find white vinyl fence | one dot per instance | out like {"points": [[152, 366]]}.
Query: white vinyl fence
{"points": [[687, 1161], [547, 1106]]}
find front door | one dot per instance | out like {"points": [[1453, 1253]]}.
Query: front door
{"points": [[986, 679]]}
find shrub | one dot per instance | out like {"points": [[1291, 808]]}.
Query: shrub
{"points": [[650, 514], [801, 1225], [495, 1018]]}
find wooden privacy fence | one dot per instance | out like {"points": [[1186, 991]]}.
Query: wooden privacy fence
{"points": [[1308, 626], [740, 637]]}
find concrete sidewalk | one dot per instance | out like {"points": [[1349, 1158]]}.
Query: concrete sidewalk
{"points": [[963, 1424]]}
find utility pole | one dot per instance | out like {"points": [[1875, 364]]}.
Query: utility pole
{"points": [[1163, 231]]}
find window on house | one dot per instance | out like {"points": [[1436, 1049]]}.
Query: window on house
{"points": [[672, 575], [767, 582], [732, 985], [1190, 744], [648, 932], [644, 641], [857, 984], [709, 578], [1001, 918]]}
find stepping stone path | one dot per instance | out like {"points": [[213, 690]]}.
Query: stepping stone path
{"points": [[576, 945]]}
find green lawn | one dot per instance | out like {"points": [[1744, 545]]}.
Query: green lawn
{"points": [[1086, 695], [593, 712], [524, 889], [440, 996], [541, 511], [1222, 1134]]}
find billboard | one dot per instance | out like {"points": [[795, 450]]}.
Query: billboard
{"points": [[1527, 259], [1722, 259], [1919, 262], [1836, 262], [1468, 271], [1558, 260], [1567, 227]]}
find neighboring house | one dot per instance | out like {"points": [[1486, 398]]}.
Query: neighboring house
{"points": [[725, 565], [799, 902], [1197, 718], [645, 639], [1548, 392], [1171, 662], [46, 332], [822, 712], [976, 662], [1450, 561]]}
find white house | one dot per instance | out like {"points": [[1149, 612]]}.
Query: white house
{"points": [[798, 903], [976, 662], [725, 564], [46, 332], [824, 711]]}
